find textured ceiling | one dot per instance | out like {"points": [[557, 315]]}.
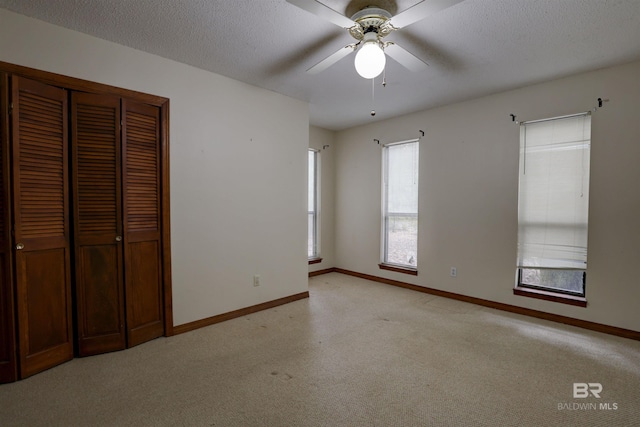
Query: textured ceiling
{"points": [[474, 48]]}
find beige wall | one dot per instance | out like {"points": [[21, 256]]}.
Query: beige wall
{"points": [[319, 138], [238, 181], [468, 193], [238, 166]]}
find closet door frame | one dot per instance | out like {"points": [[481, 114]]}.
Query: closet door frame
{"points": [[8, 365], [75, 84]]}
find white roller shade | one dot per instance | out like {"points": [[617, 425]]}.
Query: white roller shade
{"points": [[401, 177], [553, 202]]}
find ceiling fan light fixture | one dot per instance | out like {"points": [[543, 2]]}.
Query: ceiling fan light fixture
{"points": [[370, 59]]}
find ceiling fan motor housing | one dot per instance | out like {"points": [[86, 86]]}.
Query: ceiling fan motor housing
{"points": [[371, 19]]}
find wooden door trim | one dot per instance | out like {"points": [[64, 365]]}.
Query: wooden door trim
{"points": [[76, 84], [165, 224], [8, 367]]}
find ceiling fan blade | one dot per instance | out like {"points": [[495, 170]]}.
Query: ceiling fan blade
{"points": [[323, 11], [331, 59], [420, 11], [406, 59]]}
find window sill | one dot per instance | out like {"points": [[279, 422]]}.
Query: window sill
{"points": [[315, 261], [550, 296], [398, 269]]}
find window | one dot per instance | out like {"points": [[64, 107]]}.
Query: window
{"points": [[400, 205], [312, 241], [553, 201]]}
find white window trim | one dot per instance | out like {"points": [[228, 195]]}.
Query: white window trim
{"points": [[317, 220], [384, 264]]}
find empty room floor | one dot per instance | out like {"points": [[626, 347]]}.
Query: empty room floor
{"points": [[356, 353]]}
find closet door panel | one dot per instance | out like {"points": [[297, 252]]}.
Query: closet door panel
{"points": [[7, 335], [142, 202], [44, 274], [100, 308], [41, 218], [7, 327], [144, 297], [97, 223]]}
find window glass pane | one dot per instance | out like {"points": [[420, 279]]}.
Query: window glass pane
{"points": [[569, 281], [311, 241], [402, 244]]}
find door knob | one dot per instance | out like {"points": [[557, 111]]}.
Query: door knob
{"points": [[20, 246], [118, 238]]}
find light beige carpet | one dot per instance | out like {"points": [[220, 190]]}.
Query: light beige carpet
{"points": [[357, 353]]}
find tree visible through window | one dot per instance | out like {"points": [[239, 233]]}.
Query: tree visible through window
{"points": [[400, 204]]}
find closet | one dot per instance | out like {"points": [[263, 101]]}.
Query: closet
{"points": [[85, 256]]}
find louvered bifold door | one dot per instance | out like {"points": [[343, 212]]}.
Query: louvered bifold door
{"points": [[142, 222], [7, 330], [41, 225], [95, 145]]}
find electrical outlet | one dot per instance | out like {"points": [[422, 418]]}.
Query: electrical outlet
{"points": [[256, 280], [454, 272]]}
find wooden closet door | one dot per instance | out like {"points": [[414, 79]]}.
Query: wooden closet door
{"points": [[142, 222], [41, 218], [95, 139], [7, 327]]}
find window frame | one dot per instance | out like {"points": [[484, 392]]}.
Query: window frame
{"points": [[385, 264], [314, 257], [550, 293]]}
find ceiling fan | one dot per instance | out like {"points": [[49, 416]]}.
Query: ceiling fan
{"points": [[369, 26]]}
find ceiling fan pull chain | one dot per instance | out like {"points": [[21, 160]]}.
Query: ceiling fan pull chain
{"points": [[373, 97]]}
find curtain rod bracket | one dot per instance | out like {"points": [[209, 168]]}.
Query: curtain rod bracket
{"points": [[600, 103], [377, 140], [421, 132], [324, 147], [513, 119]]}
